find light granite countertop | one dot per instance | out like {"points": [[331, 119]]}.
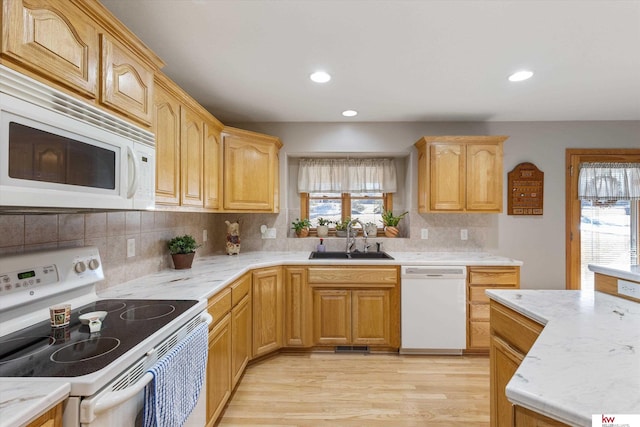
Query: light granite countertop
{"points": [[586, 360], [210, 274], [22, 402], [626, 272]]}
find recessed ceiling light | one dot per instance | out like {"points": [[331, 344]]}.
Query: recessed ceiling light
{"points": [[520, 76], [349, 113], [320, 77]]}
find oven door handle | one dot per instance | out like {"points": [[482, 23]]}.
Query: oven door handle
{"points": [[115, 398]]}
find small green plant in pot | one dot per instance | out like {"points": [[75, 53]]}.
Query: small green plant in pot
{"points": [[301, 227], [323, 227], [182, 250], [341, 227], [390, 222]]}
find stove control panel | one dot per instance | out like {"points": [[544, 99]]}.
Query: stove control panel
{"points": [[24, 279], [39, 275]]}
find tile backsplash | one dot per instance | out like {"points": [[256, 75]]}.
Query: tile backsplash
{"points": [[151, 230], [109, 231]]}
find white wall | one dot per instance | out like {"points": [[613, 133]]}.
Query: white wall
{"points": [[539, 241]]}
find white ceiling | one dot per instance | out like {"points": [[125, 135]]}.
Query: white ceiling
{"points": [[397, 60]]}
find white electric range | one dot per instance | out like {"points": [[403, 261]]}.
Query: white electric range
{"points": [[106, 369]]}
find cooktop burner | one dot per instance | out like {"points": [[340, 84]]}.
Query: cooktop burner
{"points": [[42, 351]]}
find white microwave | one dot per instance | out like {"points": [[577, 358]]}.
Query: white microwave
{"points": [[59, 152]]}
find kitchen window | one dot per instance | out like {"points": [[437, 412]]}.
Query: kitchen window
{"points": [[603, 212], [338, 189], [367, 207]]}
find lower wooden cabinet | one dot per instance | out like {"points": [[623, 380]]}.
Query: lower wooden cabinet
{"points": [[268, 309], [527, 418], [219, 356], [355, 306], [298, 305], [241, 327], [218, 368], [512, 335], [479, 279], [51, 418]]}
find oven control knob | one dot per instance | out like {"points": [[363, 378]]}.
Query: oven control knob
{"points": [[80, 267], [94, 264]]}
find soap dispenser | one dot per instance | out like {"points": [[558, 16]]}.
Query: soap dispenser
{"points": [[321, 247]]}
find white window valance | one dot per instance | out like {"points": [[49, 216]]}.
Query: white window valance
{"points": [[347, 176], [609, 181]]}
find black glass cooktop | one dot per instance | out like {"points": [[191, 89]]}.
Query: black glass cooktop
{"points": [[43, 351]]}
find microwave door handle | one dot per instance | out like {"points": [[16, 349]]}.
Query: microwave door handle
{"points": [[133, 187], [115, 398]]}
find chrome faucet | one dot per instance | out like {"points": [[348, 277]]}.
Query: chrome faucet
{"points": [[351, 241]]}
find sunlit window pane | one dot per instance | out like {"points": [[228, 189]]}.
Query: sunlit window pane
{"points": [[367, 207], [326, 206], [605, 237]]}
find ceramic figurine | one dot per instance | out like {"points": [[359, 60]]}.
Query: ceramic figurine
{"points": [[233, 238]]}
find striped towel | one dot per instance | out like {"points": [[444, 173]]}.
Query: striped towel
{"points": [[178, 378]]}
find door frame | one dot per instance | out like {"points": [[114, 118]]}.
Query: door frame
{"points": [[573, 158]]}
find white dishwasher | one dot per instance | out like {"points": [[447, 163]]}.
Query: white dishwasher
{"points": [[433, 307]]}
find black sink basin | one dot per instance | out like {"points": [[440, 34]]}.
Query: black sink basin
{"points": [[352, 255]]}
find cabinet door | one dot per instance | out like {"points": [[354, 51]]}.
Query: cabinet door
{"points": [[267, 310], [504, 362], [447, 177], [331, 317], [127, 85], [527, 418], [51, 418], [423, 179], [249, 173], [166, 125], [370, 320], [54, 40], [218, 369], [298, 308], [241, 338], [191, 150], [484, 177], [212, 175]]}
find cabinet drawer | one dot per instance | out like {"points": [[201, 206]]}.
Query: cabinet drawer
{"points": [[479, 312], [353, 275], [517, 330], [239, 289], [219, 305], [479, 332], [477, 293], [494, 275]]}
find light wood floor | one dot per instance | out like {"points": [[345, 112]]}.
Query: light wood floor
{"points": [[326, 389]]}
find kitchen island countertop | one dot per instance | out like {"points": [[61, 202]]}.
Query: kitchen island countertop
{"points": [[586, 359], [21, 403], [626, 272]]}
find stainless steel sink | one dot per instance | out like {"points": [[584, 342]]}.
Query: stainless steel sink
{"points": [[352, 255]]}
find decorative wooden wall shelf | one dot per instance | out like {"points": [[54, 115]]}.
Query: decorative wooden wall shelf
{"points": [[526, 185]]}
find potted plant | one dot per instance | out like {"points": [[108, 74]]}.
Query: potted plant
{"points": [[341, 227], [371, 228], [183, 249], [390, 222], [323, 227], [301, 227]]}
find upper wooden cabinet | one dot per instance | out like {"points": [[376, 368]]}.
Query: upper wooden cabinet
{"points": [[166, 126], [126, 84], [54, 40], [460, 173], [250, 164], [80, 47], [188, 149]]}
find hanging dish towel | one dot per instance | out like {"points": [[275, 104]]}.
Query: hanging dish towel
{"points": [[177, 380]]}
